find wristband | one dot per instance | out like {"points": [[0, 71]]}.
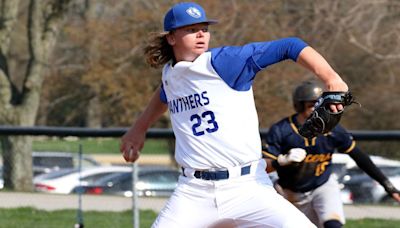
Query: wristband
{"points": [[389, 187]]}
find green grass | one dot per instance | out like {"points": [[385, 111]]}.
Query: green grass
{"points": [[96, 145], [372, 223], [31, 218], [27, 217]]}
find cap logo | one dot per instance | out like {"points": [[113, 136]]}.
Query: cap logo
{"points": [[193, 12]]}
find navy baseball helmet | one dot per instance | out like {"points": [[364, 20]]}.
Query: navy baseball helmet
{"points": [[183, 14], [306, 91]]}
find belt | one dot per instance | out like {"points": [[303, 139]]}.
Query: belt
{"points": [[217, 175]]}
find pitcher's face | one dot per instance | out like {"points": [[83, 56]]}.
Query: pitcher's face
{"points": [[189, 42]]}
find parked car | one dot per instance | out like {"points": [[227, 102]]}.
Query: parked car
{"points": [[345, 159], [65, 180], [338, 169], [48, 161], [157, 181], [366, 190], [346, 195]]}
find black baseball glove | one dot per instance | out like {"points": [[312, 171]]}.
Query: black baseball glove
{"points": [[322, 119]]}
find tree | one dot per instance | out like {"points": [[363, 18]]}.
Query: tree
{"points": [[101, 52], [21, 76]]}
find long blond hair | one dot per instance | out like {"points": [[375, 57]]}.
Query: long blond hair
{"points": [[158, 51]]}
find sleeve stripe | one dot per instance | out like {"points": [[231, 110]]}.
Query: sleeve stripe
{"points": [[163, 96], [269, 155], [353, 144], [293, 126]]}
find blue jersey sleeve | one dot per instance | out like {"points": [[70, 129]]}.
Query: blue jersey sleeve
{"points": [[344, 141], [238, 65], [163, 96]]}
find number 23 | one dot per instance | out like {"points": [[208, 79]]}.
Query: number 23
{"points": [[197, 122]]}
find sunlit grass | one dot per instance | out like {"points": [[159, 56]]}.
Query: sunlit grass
{"points": [[27, 217], [95, 145]]}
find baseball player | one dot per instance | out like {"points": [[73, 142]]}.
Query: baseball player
{"points": [[304, 165], [209, 96]]}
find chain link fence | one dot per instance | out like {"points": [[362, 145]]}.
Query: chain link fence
{"points": [[82, 170]]}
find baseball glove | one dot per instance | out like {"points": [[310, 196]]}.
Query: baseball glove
{"points": [[322, 119]]}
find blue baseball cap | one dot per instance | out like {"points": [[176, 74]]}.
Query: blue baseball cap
{"points": [[183, 14]]}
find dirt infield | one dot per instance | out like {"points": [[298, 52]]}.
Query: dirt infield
{"points": [[115, 203]]}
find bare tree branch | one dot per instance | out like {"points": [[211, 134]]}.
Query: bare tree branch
{"points": [[8, 12], [43, 35]]}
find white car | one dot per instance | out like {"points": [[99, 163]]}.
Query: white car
{"points": [[49, 161], [348, 162], [64, 181], [366, 190]]}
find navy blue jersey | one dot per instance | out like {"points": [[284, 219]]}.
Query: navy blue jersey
{"points": [[316, 167]]}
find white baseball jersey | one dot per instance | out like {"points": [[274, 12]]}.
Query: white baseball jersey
{"points": [[214, 125], [211, 103], [215, 122]]}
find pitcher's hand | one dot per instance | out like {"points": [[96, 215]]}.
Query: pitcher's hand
{"points": [[336, 84], [131, 144]]}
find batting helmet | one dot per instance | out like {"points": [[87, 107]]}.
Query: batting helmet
{"points": [[306, 91]]}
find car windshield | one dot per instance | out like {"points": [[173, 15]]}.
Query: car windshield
{"points": [[387, 170], [154, 177], [391, 171], [114, 177], [57, 174], [59, 161], [52, 158], [148, 176], [86, 162]]}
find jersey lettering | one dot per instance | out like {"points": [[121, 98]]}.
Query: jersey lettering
{"points": [[317, 158], [211, 121], [321, 167], [212, 124], [322, 159], [197, 119], [189, 102]]}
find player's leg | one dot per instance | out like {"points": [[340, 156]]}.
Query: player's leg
{"points": [[256, 203], [303, 201], [286, 214], [264, 208], [191, 205], [328, 205], [308, 210]]}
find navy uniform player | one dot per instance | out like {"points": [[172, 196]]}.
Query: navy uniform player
{"points": [[304, 166], [209, 96]]}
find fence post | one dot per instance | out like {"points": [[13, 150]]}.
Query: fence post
{"points": [[79, 215], [135, 208]]}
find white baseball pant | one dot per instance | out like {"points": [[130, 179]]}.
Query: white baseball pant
{"points": [[248, 201]]}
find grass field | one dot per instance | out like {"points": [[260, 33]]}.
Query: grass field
{"points": [[32, 218], [95, 145]]}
